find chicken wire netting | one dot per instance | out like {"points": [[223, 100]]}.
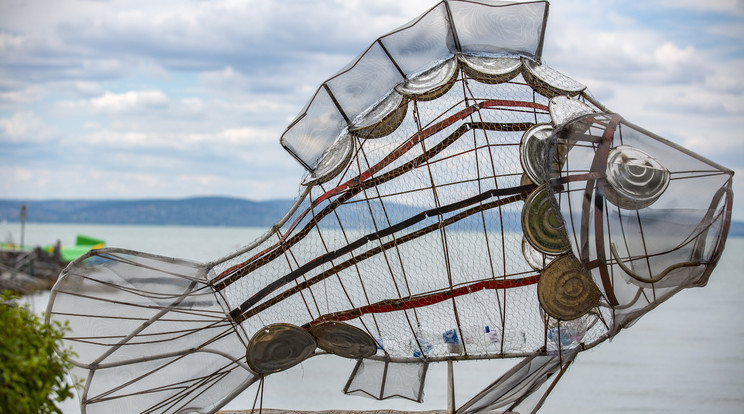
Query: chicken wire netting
{"points": [[430, 243]]}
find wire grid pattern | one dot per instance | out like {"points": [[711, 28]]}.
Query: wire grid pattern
{"points": [[416, 238]]}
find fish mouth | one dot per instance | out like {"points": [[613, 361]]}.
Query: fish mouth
{"points": [[646, 216]]}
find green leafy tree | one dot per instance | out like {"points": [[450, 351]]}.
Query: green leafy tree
{"points": [[32, 371]]}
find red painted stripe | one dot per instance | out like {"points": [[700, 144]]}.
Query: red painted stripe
{"points": [[425, 300], [421, 135]]}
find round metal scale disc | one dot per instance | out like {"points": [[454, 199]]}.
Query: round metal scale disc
{"points": [[542, 224], [385, 118], [432, 83], [491, 70], [536, 259], [277, 347], [333, 162], [525, 180], [566, 290], [564, 109], [635, 178], [549, 82], [344, 340], [533, 150]]}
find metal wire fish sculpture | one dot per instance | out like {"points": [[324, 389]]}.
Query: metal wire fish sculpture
{"points": [[462, 201]]}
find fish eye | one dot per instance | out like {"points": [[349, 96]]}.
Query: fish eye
{"points": [[335, 159], [635, 179]]}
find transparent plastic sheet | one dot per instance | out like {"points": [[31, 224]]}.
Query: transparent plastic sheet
{"points": [[509, 393], [373, 76], [652, 232], [315, 130], [489, 28], [484, 28], [384, 379], [147, 325], [414, 46]]}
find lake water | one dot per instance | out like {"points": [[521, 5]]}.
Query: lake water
{"points": [[684, 357]]}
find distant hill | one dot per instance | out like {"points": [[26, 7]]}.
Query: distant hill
{"points": [[199, 211]]}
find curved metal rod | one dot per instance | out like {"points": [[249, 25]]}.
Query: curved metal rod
{"points": [[266, 235], [652, 279], [181, 353]]}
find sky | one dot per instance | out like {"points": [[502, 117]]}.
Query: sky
{"points": [[172, 99]]}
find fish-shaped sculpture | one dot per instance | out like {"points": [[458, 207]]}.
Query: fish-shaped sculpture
{"points": [[462, 201]]}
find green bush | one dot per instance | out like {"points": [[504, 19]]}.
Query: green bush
{"points": [[32, 374]]}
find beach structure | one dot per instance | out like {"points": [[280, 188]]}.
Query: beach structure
{"points": [[462, 201]]}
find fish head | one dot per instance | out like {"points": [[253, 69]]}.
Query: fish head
{"points": [[645, 216]]}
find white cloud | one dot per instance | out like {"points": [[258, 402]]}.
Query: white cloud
{"points": [[624, 55], [619, 20], [23, 175], [727, 78], [193, 104], [723, 6], [77, 88], [698, 101], [23, 127], [237, 139], [733, 30], [143, 109], [639, 70], [112, 102], [91, 126], [83, 38], [20, 97], [225, 78], [119, 139], [243, 136], [79, 181], [669, 54], [10, 41]]}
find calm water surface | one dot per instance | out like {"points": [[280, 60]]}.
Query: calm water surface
{"points": [[684, 357]]}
